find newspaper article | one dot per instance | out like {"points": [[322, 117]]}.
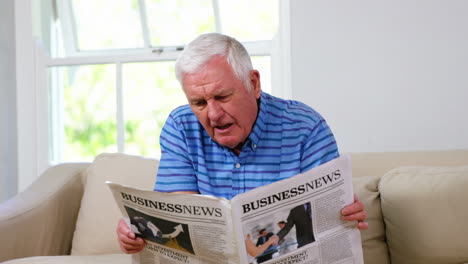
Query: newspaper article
{"points": [[296, 220]]}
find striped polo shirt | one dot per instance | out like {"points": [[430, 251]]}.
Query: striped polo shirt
{"points": [[288, 138]]}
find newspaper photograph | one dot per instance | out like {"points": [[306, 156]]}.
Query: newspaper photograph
{"points": [[296, 220]]}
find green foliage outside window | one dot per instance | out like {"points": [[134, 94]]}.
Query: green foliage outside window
{"points": [[150, 92]]}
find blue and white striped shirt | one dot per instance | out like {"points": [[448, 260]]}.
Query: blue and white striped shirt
{"points": [[288, 138]]}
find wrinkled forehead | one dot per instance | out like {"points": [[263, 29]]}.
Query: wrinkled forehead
{"points": [[216, 73], [202, 65]]}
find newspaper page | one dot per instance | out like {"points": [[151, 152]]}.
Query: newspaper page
{"points": [[298, 220], [178, 228]]}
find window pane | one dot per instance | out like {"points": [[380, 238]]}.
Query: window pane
{"points": [[85, 120], [249, 20], [177, 22], [263, 65], [107, 24], [150, 92]]}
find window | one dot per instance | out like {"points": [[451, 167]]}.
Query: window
{"points": [[111, 77]]}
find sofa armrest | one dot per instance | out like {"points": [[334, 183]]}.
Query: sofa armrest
{"points": [[41, 220]]}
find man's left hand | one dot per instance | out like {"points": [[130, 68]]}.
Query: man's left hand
{"points": [[355, 212]]}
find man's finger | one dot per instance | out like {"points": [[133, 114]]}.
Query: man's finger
{"points": [[131, 247], [123, 228], [360, 216], [132, 241], [130, 251], [357, 206], [363, 225]]}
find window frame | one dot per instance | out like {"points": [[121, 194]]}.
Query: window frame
{"points": [[33, 149]]}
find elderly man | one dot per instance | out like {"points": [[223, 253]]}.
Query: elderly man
{"points": [[232, 137]]}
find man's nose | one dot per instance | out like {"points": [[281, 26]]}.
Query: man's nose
{"points": [[215, 111]]}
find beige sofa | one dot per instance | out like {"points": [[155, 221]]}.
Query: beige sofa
{"points": [[416, 214]]}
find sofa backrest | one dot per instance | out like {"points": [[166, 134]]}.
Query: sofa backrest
{"points": [[379, 163], [98, 216]]}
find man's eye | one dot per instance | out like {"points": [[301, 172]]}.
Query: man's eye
{"points": [[199, 103], [220, 97]]}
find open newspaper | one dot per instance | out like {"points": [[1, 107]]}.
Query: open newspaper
{"points": [[296, 220]]}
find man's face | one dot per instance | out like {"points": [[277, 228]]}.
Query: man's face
{"points": [[221, 102]]}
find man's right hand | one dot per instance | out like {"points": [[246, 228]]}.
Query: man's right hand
{"points": [[129, 242]]}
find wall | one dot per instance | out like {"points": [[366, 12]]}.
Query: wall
{"points": [[387, 75], [8, 164]]}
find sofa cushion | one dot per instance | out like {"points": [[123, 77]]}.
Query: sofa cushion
{"points": [[425, 212], [373, 239], [98, 216]]}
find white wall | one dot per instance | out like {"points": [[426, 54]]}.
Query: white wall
{"points": [[387, 75], [8, 164], [31, 101]]}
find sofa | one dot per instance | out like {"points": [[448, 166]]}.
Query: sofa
{"points": [[417, 205]]}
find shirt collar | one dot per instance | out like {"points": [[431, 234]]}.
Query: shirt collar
{"points": [[259, 125]]}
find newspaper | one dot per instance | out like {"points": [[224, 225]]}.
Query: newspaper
{"points": [[296, 220]]}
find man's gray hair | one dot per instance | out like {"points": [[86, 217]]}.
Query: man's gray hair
{"points": [[205, 47]]}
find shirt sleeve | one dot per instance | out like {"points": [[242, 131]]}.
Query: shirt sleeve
{"points": [[320, 147], [175, 172]]}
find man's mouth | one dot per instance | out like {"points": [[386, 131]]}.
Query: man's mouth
{"points": [[223, 126]]}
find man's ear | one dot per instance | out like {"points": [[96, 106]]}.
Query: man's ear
{"points": [[255, 83]]}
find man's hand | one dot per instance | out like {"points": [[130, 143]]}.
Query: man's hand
{"points": [[129, 242], [355, 212]]}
